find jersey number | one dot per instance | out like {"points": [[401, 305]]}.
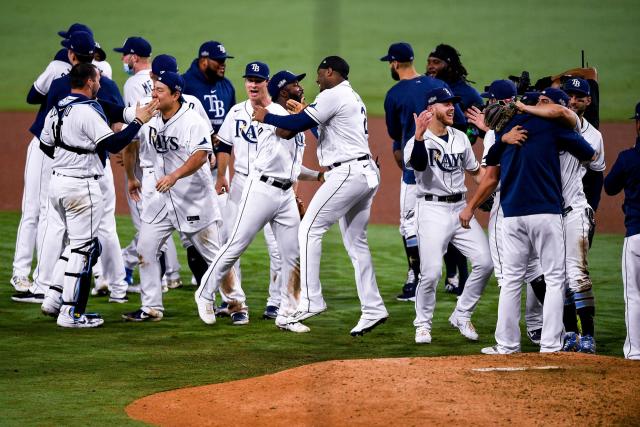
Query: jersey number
{"points": [[364, 123]]}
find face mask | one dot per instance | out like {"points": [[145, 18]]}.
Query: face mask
{"points": [[127, 69]]}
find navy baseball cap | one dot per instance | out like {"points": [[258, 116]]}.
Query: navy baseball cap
{"points": [[73, 28], [500, 89], [257, 69], [164, 63], [281, 79], [174, 81], [556, 95], [135, 45], [578, 86], [441, 94], [401, 52], [531, 97], [336, 64], [637, 115], [80, 42], [214, 50]]}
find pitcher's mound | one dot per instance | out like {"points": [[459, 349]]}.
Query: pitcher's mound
{"points": [[522, 389]]}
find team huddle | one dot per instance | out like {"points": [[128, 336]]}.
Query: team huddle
{"points": [[176, 135]]}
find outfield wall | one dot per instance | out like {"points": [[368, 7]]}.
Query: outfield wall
{"points": [[15, 139]]}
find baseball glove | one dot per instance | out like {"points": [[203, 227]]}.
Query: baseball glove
{"points": [[488, 204], [497, 115]]}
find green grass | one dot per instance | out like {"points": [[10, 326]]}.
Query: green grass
{"points": [[51, 376], [496, 38]]}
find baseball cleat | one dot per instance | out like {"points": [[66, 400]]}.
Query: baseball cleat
{"points": [[496, 350], [223, 310], [297, 327], [367, 325], [29, 297], [52, 301], [571, 342], [535, 336], [423, 335], [299, 316], [206, 310], [587, 344], [408, 292], [100, 289], [271, 312], [174, 283], [142, 316], [68, 319], [239, 318], [21, 284], [465, 327], [165, 287]]}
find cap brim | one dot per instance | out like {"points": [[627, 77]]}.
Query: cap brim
{"points": [[63, 34], [453, 99], [255, 76], [218, 57], [66, 43], [486, 95], [118, 49], [583, 93], [386, 58], [299, 77]]}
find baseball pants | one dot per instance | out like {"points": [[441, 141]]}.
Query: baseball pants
{"points": [[577, 226], [345, 197], [261, 204], [78, 204], [37, 172], [152, 238], [236, 191], [533, 307], [407, 209], [438, 224], [631, 281], [521, 237]]}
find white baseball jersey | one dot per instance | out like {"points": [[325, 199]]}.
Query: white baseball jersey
{"points": [[240, 132], [191, 203], [54, 70], [277, 157], [342, 124], [83, 127], [146, 154], [137, 88], [572, 171], [446, 163], [104, 67]]}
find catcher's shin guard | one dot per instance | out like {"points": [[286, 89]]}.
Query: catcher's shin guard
{"points": [[90, 251]]}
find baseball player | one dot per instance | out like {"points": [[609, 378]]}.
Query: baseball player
{"points": [[36, 178], [578, 216], [402, 100], [625, 175], [238, 131], [439, 154], [505, 91], [444, 63], [346, 195], [136, 52], [77, 136], [531, 200], [268, 198], [181, 141]]}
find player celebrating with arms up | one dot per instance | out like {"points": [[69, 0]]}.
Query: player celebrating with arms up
{"points": [[439, 155]]}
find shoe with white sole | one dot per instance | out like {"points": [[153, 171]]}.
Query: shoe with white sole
{"points": [[21, 284], [367, 325], [52, 301], [493, 350], [101, 288], [118, 300], [68, 319], [465, 327], [29, 297], [206, 309], [423, 335], [174, 283], [296, 327], [299, 316], [143, 316], [239, 318]]}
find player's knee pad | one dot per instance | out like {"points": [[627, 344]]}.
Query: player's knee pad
{"points": [[584, 299]]}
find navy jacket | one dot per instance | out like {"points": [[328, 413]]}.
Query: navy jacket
{"points": [[530, 181], [625, 175], [216, 98]]}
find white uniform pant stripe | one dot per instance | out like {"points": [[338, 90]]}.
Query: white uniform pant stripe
{"points": [[631, 281]]}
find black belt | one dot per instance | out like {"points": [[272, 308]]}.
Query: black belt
{"points": [[284, 185], [336, 164], [566, 210], [96, 177], [448, 199]]}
